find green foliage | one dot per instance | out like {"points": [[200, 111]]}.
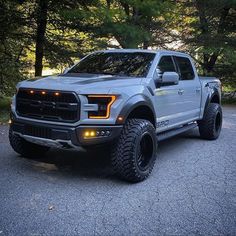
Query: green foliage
{"points": [[11, 48], [133, 23], [4, 116], [5, 103], [4, 109], [205, 29], [231, 101]]}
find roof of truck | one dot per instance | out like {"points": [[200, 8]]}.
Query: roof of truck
{"points": [[145, 50]]}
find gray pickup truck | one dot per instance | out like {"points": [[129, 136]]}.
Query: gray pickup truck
{"points": [[125, 100]]}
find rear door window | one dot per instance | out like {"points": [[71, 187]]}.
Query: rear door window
{"points": [[185, 68]]}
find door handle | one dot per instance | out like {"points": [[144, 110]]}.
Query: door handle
{"points": [[198, 89], [181, 91]]}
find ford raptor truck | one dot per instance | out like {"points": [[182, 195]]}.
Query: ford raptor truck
{"points": [[125, 100]]}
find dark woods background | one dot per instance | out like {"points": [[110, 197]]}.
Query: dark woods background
{"points": [[41, 35]]}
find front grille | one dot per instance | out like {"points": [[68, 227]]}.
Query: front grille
{"points": [[46, 105]]}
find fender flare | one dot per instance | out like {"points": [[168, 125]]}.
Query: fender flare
{"points": [[209, 98], [134, 102]]}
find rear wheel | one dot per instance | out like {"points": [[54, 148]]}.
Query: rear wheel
{"points": [[134, 155], [210, 125], [25, 148]]}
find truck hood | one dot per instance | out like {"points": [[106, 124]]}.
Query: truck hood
{"points": [[81, 84]]}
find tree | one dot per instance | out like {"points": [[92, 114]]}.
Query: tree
{"points": [[207, 30], [41, 20], [37, 34], [11, 45], [132, 23]]}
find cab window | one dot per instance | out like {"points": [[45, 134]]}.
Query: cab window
{"points": [[185, 68], [166, 64]]}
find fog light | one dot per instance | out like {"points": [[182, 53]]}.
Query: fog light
{"points": [[96, 134], [89, 134]]}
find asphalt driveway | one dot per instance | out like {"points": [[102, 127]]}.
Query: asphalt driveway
{"points": [[192, 190]]}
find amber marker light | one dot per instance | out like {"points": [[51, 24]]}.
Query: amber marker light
{"points": [[113, 98], [120, 118]]}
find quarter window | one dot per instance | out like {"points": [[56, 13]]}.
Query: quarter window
{"points": [[185, 67]]}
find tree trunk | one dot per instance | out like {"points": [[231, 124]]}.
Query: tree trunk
{"points": [[40, 35], [145, 44]]}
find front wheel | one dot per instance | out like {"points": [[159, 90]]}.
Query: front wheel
{"points": [[134, 155], [210, 125]]}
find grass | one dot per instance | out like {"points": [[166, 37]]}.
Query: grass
{"points": [[229, 101], [228, 89], [5, 103]]}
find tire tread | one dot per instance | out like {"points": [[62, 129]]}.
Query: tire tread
{"points": [[207, 124], [123, 151]]}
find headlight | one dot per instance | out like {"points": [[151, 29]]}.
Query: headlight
{"points": [[104, 103]]}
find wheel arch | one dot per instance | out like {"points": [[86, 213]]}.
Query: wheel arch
{"points": [[140, 107], [212, 98], [215, 98]]}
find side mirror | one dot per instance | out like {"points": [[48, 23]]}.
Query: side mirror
{"points": [[166, 78], [170, 78]]}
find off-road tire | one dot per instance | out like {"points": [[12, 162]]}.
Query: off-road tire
{"points": [[210, 125], [25, 148], [126, 152]]}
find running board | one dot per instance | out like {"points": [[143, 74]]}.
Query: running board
{"points": [[174, 132]]}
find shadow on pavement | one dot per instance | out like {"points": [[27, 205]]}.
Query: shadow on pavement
{"points": [[85, 164], [94, 163]]}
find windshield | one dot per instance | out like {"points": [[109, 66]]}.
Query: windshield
{"points": [[124, 64]]}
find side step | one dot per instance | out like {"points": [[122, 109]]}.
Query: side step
{"points": [[174, 132]]}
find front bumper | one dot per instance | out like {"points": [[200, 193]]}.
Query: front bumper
{"points": [[64, 136]]}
